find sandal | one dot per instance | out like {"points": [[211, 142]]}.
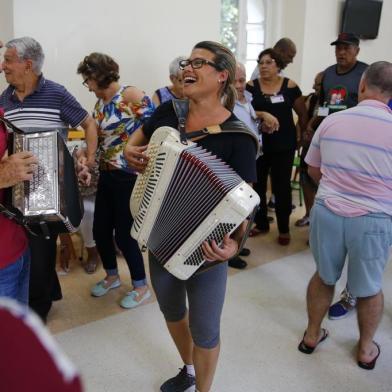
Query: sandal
{"points": [[370, 365], [302, 222], [304, 348], [90, 266], [256, 231]]}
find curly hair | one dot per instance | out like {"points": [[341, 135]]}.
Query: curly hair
{"points": [[101, 68]]}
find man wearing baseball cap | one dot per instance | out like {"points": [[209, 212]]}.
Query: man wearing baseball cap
{"points": [[341, 80]]}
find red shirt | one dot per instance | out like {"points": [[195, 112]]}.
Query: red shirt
{"points": [[31, 360], [13, 240]]}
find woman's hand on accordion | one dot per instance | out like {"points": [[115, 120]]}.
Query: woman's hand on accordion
{"points": [[136, 157], [213, 252]]}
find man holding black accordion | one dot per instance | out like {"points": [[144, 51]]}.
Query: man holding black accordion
{"points": [[33, 103]]}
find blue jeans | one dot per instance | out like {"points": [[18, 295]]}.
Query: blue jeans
{"points": [[14, 279]]}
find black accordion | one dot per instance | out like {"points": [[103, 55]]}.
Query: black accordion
{"points": [[186, 196], [50, 202]]}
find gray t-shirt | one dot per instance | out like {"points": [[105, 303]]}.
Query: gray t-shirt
{"points": [[340, 91]]}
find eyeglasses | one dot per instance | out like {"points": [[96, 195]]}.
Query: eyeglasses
{"points": [[85, 84], [266, 62], [196, 63]]}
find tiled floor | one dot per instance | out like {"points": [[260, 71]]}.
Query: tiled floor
{"points": [[78, 307], [263, 320]]}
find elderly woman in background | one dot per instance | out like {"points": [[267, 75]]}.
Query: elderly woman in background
{"points": [[119, 111], [209, 85], [176, 89], [278, 96]]}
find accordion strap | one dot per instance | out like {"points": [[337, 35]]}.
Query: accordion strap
{"points": [[181, 108], [19, 219], [10, 125]]}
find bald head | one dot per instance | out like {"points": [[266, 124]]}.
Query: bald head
{"points": [[286, 50], [240, 80], [376, 82]]}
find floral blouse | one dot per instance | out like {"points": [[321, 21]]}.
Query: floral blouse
{"points": [[117, 120]]}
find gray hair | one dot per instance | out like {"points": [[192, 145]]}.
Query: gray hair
{"points": [[28, 48], [241, 66], [174, 66], [378, 76]]}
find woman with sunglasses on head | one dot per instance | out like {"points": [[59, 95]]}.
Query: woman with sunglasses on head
{"points": [[119, 111], [278, 96], [209, 76]]}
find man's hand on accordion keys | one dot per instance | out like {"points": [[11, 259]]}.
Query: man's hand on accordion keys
{"points": [[18, 167], [136, 157], [213, 252]]}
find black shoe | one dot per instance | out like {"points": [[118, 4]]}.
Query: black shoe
{"points": [[238, 263], [270, 219], [244, 252], [179, 383]]}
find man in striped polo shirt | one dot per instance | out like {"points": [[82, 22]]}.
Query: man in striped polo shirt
{"points": [[350, 156], [32, 102]]}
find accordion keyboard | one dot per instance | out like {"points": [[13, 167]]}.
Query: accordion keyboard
{"points": [[41, 187]]}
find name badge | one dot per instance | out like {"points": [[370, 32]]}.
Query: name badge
{"points": [[323, 111], [277, 98]]}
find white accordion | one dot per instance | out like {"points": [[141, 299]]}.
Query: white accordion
{"points": [[186, 196]]}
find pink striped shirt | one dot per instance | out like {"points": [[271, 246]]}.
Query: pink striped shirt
{"points": [[353, 150]]}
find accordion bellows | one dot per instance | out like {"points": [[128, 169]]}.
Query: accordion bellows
{"points": [[185, 196]]}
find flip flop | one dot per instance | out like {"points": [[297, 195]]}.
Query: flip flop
{"points": [[90, 267], [370, 365], [304, 348], [255, 232]]}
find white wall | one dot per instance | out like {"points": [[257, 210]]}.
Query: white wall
{"points": [[6, 29], [319, 21], [142, 36], [293, 17], [145, 36]]}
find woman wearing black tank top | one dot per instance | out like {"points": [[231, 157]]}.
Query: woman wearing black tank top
{"points": [[278, 96]]}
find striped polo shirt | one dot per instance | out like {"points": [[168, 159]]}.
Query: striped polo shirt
{"points": [[49, 106], [353, 150]]}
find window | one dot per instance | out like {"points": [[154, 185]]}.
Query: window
{"points": [[242, 30]]}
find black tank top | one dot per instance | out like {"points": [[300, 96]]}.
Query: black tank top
{"points": [[285, 139]]}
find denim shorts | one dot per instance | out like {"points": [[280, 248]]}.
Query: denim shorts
{"points": [[365, 240]]}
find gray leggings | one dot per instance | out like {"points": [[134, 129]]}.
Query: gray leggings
{"points": [[206, 294]]}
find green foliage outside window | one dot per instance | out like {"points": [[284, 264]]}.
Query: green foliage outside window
{"points": [[229, 24]]}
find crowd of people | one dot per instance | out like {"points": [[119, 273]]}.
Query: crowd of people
{"points": [[346, 190]]}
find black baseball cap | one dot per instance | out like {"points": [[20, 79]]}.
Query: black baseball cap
{"points": [[346, 38]]}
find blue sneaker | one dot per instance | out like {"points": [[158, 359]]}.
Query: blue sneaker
{"points": [[101, 288], [340, 310], [183, 382], [131, 299]]}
